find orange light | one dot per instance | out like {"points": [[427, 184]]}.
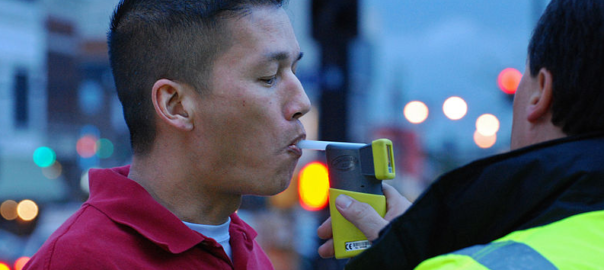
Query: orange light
{"points": [[508, 80], [8, 210], [20, 263], [3, 266], [86, 146], [484, 141], [313, 186], [27, 210]]}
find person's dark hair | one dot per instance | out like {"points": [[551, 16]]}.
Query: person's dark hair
{"points": [[171, 39], [569, 42]]}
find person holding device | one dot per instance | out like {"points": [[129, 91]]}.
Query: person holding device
{"points": [[540, 206]]}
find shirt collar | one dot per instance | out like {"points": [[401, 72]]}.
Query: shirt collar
{"points": [[128, 203]]}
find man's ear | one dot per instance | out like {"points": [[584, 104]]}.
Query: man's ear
{"points": [[541, 98], [170, 102]]}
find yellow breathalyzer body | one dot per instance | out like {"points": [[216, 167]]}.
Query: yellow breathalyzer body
{"points": [[357, 170]]}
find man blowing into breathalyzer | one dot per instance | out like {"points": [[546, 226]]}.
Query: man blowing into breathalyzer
{"points": [[212, 102]]}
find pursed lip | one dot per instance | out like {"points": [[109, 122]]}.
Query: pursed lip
{"points": [[293, 147]]}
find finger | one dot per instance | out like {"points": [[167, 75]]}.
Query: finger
{"points": [[324, 231], [326, 250], [396, 203], [361, 215]]}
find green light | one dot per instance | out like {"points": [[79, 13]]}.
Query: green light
{"points": [[104, 148], [44, 157]]}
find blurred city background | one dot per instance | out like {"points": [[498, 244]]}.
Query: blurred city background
{"points": [[436, 77]]}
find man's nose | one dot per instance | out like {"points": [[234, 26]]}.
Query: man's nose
{"points": [[299, 103]]}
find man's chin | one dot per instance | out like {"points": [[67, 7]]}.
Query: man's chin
{"points": [[275, 189]]}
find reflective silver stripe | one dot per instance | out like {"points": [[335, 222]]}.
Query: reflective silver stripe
{"points": [[507, 255]]}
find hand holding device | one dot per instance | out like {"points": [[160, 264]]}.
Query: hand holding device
{"points": [[355, 170]]}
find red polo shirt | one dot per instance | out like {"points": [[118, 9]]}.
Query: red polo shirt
{"points": [[122, 227]]}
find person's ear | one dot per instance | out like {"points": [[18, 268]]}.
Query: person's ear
{"points": [[170, 102], [540, 101]]}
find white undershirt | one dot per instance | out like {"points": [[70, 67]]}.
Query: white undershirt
{"points": [[220, 233]]}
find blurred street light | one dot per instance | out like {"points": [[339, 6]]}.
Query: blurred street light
{"points": [[86, 146], [455, 108], [104, 148], [8, 210], [487, 124], [54, 171], [27, 210], [416, 112], [484, 141]]}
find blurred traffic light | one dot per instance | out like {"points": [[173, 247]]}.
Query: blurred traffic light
{"points": [[335, 24], [313, 186], [335, 19], [44, 157], [508, 80], [20, 263]]}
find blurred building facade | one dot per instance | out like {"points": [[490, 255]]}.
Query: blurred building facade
{"points": [[56, 92], [56, 87], [23, 99]]}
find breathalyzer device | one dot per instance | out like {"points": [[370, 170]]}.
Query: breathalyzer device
{"points": [[355, 169]]}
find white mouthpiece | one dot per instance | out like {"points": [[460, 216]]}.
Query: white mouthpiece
{"points": [[321, 145]]}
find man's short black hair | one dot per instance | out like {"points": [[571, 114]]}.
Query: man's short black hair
{"points": [[569, 42], [170, 39]]}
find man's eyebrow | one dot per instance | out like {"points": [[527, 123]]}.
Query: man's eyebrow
{"points": [[280, 56]]}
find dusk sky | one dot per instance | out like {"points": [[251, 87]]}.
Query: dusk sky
{"points": [[434, 49]]}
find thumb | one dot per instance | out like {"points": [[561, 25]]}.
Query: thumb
{"points": [[361, 215]]}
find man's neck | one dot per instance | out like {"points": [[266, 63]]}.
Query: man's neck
{"points": [[189, 199]]}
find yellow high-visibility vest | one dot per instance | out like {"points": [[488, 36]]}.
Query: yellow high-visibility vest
{"points": [[576, 242]]}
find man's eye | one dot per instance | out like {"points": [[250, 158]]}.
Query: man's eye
{"points": [[269, 81]]}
